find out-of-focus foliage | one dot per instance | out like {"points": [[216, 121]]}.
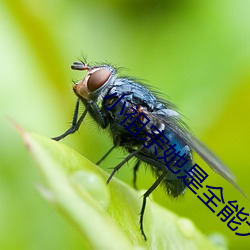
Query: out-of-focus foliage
{"points": [[197, 53], [102, 213]]}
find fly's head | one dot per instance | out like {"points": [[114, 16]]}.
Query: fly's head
{"points": [[96, 78]]}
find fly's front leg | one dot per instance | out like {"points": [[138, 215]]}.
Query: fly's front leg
{"points": [[75, 124], [98, 115]]}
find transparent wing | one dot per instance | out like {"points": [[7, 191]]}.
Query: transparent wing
{"points": [[174, 123]]}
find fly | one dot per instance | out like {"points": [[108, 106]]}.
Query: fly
{"points": [[148, 127]]}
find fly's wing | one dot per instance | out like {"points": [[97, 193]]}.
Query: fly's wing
{"points": [[171, 120]]}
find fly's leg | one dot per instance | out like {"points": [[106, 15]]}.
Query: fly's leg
{"points": [[136, 167], [105, 155], [75, 124], [99, 116], [123, 162], [145, 196]]}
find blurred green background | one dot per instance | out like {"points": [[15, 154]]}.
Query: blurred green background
{"points": [[195, 52]]}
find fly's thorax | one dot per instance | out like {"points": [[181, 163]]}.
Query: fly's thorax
{"points": [[92, 86]]}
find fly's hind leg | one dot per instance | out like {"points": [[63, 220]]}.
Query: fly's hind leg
{"points": [[145, 196], [135, 169]]}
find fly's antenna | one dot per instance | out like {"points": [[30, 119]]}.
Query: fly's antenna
{"points": [[80, 66]]}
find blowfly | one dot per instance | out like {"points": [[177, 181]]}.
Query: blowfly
{"points": [[148, 127]]}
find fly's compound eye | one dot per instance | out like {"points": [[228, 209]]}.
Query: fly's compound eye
{"points": [[97, 79]]}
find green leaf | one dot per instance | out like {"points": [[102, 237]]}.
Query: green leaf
{"points": [[106, 215]]}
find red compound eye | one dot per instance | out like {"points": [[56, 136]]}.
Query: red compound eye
{"points": [[97, 79]]}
